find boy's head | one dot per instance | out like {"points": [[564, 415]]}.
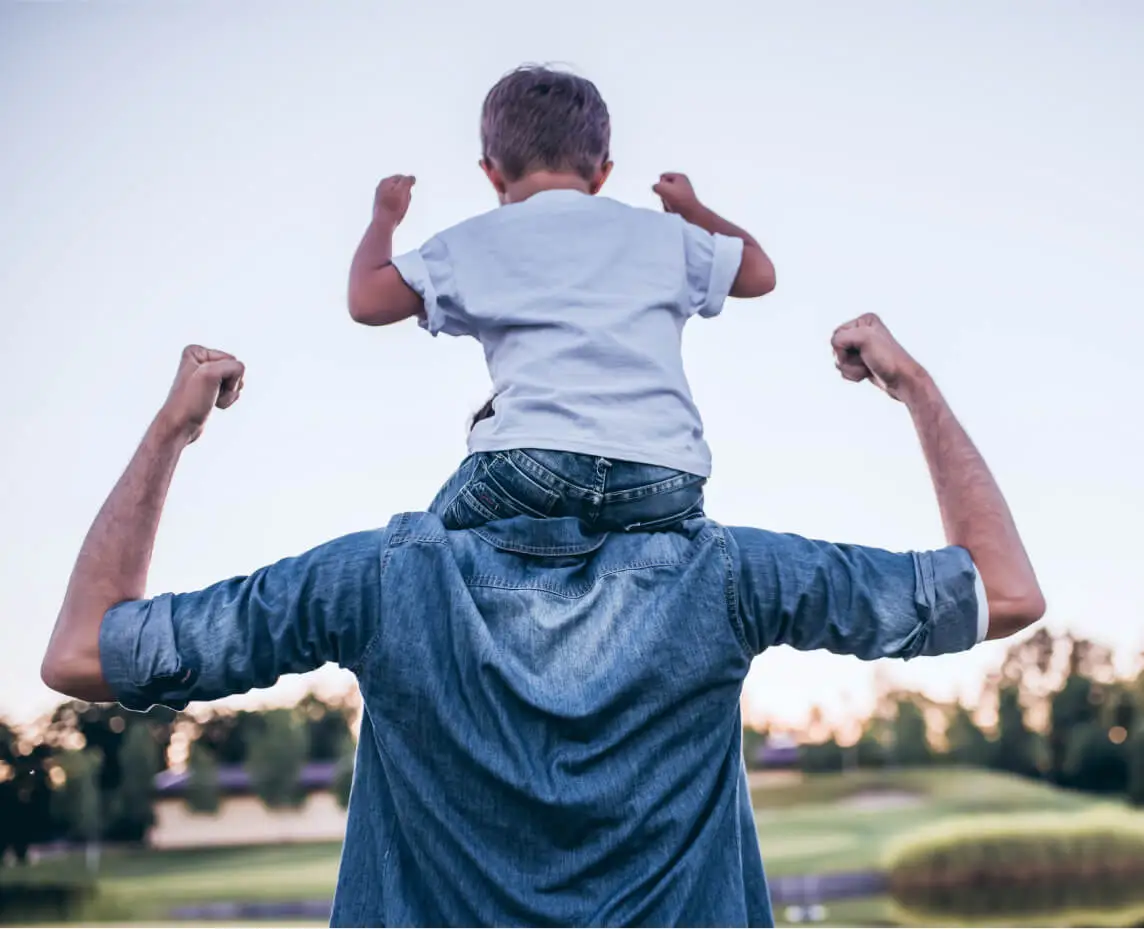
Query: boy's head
{"points": [[537, 120]]}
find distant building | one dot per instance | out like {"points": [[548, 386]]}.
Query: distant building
{"points": [[775, 753], [774, 761], [242, 818]]}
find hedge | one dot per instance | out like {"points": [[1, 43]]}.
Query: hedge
{"points": [[1083, 869]]}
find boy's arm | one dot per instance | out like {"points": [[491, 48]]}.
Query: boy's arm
{"points": [[756, 275], [378, 295]]}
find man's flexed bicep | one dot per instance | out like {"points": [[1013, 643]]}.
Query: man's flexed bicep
{"points": [[852, 600], [290, 617]]}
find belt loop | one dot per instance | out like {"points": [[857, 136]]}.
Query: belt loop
{"points": [[603, 466]]}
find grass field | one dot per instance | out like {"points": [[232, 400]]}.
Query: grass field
{"points": [[825, 823]]}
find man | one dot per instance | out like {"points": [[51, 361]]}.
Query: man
{"points": [[551, 729]]}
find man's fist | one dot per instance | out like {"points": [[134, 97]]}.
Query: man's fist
{"points": [[865, 349], [676, 192], [206, 378], [391, 199]]}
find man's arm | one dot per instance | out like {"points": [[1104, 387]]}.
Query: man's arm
{"points": [[871, 603], [973, 510], [756, 275], [113, 561], [378, 296], [293, 616]]}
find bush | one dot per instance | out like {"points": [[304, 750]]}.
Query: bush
{"points": [[25, 898], [1082, 869]]}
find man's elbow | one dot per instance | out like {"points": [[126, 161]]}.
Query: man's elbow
{"points": [[76, 674], [1010, 615], [57, 674], [51, 675]]}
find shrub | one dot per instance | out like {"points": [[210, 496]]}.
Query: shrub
{"points": [[25, 898], [1080, 869]]}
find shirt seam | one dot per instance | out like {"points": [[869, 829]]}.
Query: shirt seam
{"points": [[731, 592], [358, 668]]}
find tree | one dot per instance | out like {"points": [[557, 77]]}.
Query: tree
{"points": [[753, 742], [344, 776], [202, 781], [1074, 707], [78, 800], [228, 735], [1136, 767], [822, 757], [1015, 748], [25, 795], [871, 751], [133, 802], [328, 726], [911, 738], [76, 725], [968, 745], [275, 759], [1093, 762]]}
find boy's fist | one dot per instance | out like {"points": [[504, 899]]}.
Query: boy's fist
{"points": [[676, 192], [391, 200]]}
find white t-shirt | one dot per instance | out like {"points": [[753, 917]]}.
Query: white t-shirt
{"points": [[579, 303]]}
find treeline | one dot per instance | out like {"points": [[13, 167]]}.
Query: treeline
{"points": [[1055, 710], [87, 773]]}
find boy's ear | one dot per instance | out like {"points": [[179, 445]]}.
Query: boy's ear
{"points": [[496, 178], [601, 177]]}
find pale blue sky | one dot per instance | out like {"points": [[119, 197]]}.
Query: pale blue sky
{"points": [[183, 172]]}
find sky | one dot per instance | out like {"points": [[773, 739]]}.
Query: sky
{"points": [[202, 171]]}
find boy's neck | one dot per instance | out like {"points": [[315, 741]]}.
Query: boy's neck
{"points": [[536, 181]]}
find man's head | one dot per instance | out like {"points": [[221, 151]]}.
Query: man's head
{"points": [[550, 124]]}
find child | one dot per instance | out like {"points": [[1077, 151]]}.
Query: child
{"points": [[579, 302]]}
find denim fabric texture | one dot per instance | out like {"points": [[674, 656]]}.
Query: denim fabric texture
{"points": [[608, 496], [551, 730]]}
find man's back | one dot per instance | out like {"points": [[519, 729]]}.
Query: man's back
{"points": [[555, 719]]}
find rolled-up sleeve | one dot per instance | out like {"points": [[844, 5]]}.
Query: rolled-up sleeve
{"points": [[429, 273], [853, 600], [712, 264], [246, 632]]}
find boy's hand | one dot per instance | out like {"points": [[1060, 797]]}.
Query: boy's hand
{"points": [[676, 192], [391, 200]]}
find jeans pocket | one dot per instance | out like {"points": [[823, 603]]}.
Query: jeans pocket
{"points": [[518, 489], [658, 511], [476, 504]]}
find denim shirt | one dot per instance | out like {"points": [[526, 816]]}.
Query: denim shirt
{"points": [[551, 730]]}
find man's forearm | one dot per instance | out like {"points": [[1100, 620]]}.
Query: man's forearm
{"points": [[706, 218], [112, 564], [973, 510]]}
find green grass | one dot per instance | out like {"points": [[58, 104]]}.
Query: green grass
{"points": [[804, 828], [808, 828]]}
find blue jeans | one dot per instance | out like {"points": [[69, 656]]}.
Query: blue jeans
{"points": [[606, 495]]}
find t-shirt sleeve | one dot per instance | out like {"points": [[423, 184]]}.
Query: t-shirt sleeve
{"points": [[712, 263], [429, 271], [853, 600]]}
